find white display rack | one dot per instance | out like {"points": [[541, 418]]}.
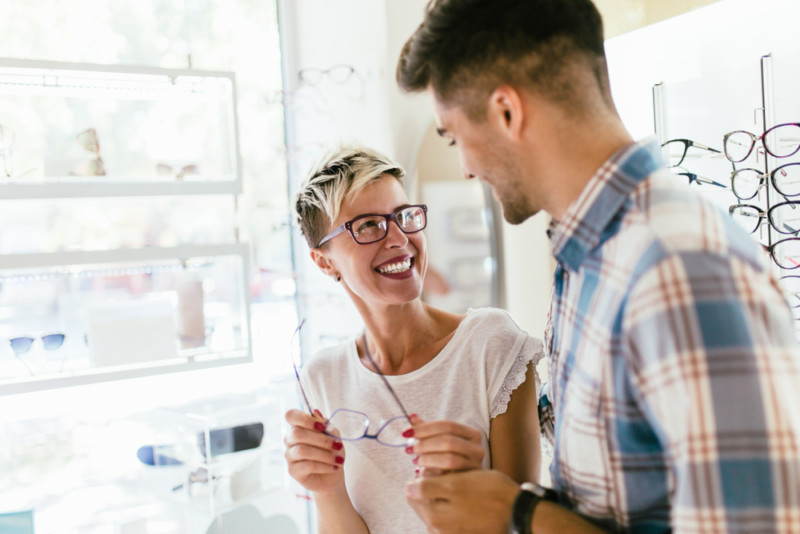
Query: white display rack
{"points": [[134, 110], [73, 131]]}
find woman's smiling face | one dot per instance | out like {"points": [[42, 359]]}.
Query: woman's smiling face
{"points": [[389, 271]]}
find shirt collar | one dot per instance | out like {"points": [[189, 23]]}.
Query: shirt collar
{"points": [[586, 219]]}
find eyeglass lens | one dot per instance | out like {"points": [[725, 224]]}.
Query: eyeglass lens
{"points": [[791, 287], [785, 217], [371, 228], [353, 426], [21, 345], [782, 140], [786, 179], [748, 217], [746, 183], [786, 253]]}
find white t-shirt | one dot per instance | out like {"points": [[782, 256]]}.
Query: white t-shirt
{"points": [[470, 381]]}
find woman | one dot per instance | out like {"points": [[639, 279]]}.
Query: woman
{"points": [[456, 371]]}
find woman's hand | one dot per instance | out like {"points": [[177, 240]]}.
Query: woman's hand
{"points": [[444, 446], [314, 458]]}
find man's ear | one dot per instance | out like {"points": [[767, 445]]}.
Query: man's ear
{"points": [[319, 257], [506, 111]]}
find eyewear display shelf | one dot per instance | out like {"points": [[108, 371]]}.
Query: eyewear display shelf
{"points": [[176, 469], [80, 317], [72, 131], [748, 183], [81, 130], [215, 456]]}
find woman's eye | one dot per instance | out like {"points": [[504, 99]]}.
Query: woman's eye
{"points": [[367, 226]]}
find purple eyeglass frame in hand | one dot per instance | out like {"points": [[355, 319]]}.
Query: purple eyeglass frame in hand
{"points": [[372, 362]]}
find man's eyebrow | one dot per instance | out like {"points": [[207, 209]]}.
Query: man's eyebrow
{"points": [[441, 131]]}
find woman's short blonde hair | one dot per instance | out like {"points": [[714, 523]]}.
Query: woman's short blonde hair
{"points": [[342, 173]]}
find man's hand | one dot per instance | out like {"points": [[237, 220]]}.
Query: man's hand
{"points": [[472, 501]]}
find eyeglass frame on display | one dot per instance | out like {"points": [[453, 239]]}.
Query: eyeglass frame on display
{"points": [[762, 177], [754, 139], [367, 421], [765, 215], [796, 294], [93, 146], [33, 339], [18, 353], [6, 148], [770, 249], [686, 144], [348, 226], [164, 169], [302, 74], [696, 178]]}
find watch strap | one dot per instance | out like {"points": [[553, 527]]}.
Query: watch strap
{"points": [[529, 496]]}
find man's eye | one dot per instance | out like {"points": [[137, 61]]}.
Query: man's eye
{"points": [[452, 142]]}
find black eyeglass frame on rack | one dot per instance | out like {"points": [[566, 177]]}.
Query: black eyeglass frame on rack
{"points": [[696, 178], [749, 210], [687, 143], [774, 249]]}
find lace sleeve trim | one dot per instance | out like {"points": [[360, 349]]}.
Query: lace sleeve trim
{"points": [[516, 376]]}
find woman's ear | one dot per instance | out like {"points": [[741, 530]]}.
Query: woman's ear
{"points": [[319, 257]]}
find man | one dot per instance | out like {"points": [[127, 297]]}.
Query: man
{"points": [[674, 391]]}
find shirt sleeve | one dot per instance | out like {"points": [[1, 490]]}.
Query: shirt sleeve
{"points": [[713, 369]]}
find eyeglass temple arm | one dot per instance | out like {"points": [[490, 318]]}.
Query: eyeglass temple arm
{"points": [[331, 235], [296, 372], [385, 381]]}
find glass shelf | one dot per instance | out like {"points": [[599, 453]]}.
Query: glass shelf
{"points": [[72, 318], [79, 130]]}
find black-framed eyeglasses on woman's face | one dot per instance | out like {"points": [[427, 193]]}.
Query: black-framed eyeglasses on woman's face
{"points": [[352, 425], [372, 227], [675, 150], [783, 217], [780, 141]]}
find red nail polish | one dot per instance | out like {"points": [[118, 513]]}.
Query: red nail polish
{"points": [[339, 460], [317, 413], [409, 433], [337, 445], [410, 450], [319, 427], [415, 459]]}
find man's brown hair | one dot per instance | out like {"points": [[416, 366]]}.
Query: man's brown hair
{"points": [[464, 49]]}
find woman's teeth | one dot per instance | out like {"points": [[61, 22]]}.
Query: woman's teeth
{"points": [[399, 267]]}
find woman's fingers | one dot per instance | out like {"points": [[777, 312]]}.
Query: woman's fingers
{"points": [[446, 446], [309, 451]]}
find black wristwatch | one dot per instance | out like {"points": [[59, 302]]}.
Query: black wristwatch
{"points": [[529, 496]]}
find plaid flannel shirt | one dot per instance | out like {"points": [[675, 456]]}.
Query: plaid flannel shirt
{"points": [[674, 393]]}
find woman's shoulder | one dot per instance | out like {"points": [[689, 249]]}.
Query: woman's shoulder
{"points": [[490, 318]]}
